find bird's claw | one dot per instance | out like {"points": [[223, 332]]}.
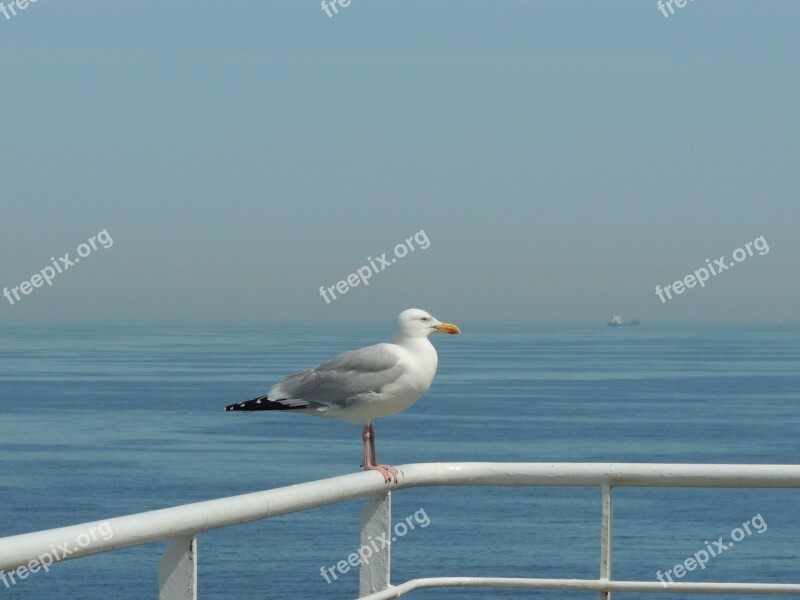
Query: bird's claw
{"points": [[389, 473]]}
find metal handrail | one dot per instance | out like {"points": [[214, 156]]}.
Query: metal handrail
{"points": [[181, 524]]}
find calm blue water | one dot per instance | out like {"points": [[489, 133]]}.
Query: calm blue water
{"points": [[106, 420]]}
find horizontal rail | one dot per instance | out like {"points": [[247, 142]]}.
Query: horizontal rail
{"points": [[591, 585], [147, 527], [599, 474]]}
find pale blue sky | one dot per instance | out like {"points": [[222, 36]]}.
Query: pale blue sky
{"points": [[562, 157]]}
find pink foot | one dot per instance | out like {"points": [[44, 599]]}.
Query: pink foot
{"points": [[389, 473]]}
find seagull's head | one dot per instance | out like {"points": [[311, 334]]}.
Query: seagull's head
{"points": [[414, 323]]}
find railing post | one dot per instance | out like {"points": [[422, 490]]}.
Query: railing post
{"points": [[177, 570], [376, 532], [606, 522]]}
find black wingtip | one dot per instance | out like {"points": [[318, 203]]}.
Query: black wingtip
{"points": [[261, 403], [249, 405]]}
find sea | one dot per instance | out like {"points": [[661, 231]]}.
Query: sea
{"points": [[114, 418]]}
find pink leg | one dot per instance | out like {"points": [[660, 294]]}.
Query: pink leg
{"points": [[371, 457], [365, 438], [372, 451]]}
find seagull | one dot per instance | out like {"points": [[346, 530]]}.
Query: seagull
{"points": [[362, 385]]}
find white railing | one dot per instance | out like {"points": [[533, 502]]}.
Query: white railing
{"points": [[181, 524]]}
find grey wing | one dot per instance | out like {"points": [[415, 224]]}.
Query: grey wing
{"points": [[342, 379]]}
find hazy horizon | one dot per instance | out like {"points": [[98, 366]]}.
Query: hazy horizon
{"points": [[562, 159]]}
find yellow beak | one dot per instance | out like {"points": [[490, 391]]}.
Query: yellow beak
{"points": [[447, 328]]}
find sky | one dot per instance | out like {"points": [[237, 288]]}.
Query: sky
{"points": [[562, 158]]}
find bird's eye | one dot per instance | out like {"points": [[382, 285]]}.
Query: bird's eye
{"points": [[426, 318]]}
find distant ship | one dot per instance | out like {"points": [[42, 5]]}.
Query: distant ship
{"points": [[618, 321]]}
